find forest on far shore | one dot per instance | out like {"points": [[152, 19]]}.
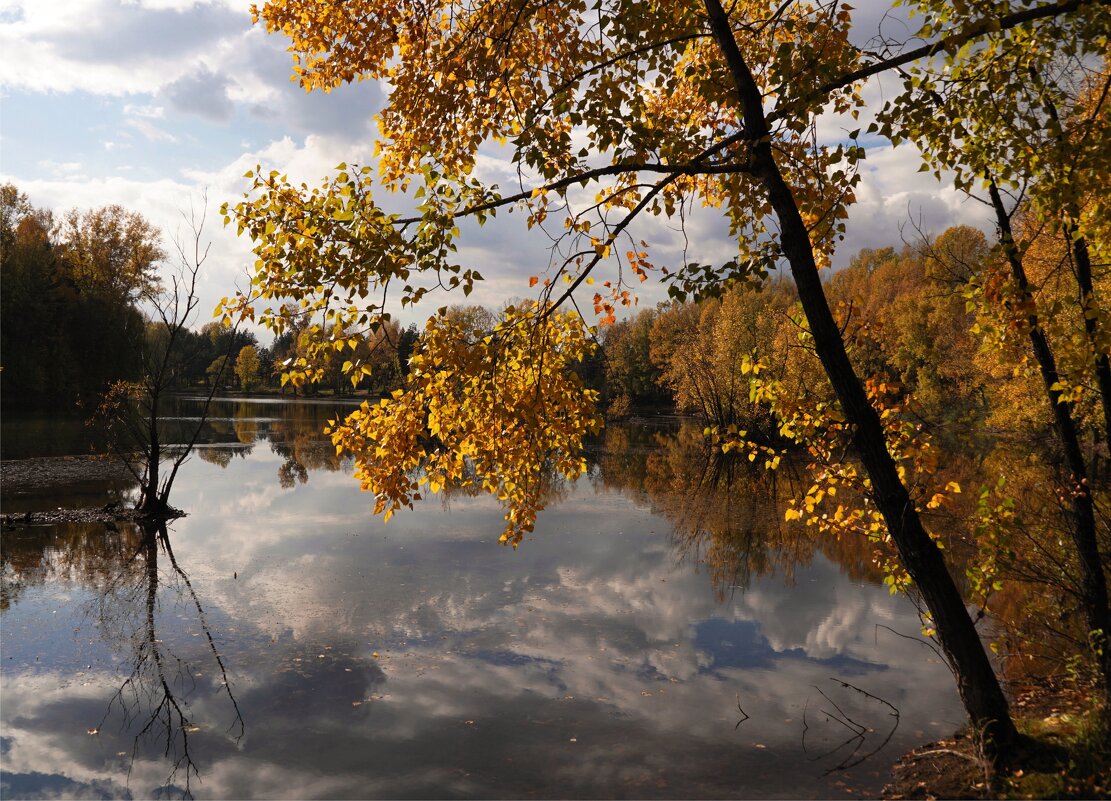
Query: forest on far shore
{"points": [[914, 315]]}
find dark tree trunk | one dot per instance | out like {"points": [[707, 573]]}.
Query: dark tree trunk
{"points": [[1083, 260], [976, 680], [152, 503], [1093, 582]]}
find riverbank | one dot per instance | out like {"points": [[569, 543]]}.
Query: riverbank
{"points": [[64, 489], [1065, 752]]}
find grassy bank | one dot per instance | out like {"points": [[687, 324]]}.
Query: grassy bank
{"points": [[1065, 752]]}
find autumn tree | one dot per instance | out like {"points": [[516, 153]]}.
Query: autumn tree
{"points": [[111, 250], [499, 420], [632, 379], [1037, 150], [30, 301], [704, 352], [905, 319], [651, 107], [218, 371], [476, 321], [248, 367]]}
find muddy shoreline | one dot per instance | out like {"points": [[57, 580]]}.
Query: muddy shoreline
{"points": [[29, 485], [25, 476]]}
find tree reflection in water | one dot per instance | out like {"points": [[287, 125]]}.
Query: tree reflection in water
{"points": [[126, 566], [296, 437], [726, 514], [723, 515], [156, 694], [293, 430]]}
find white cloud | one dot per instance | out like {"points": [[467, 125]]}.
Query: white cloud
{"points": [[895, 202], [108, 47], [151, 131], [68, 170], [204, 93], [149, 112], [243, 6]]}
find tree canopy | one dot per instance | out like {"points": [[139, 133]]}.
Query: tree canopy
{"points": [[612, 111]]}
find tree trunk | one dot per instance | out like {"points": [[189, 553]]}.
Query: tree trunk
{"points": [[1093, 583], [1091, 328], [152, 503], [976, 680], [1082, 261]]}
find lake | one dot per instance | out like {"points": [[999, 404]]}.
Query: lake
{"points": [[659, 635]]}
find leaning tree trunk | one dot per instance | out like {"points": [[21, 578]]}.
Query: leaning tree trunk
{"points": [[1093, 583], [1083, 258], [976, 680], [1082, 261]]}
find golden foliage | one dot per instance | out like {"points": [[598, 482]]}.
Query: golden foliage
{"points": [[493, 414]]}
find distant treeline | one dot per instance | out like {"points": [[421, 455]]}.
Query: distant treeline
{"points": [[73, 290], [68, 293], [72, 319], [914, 320]]}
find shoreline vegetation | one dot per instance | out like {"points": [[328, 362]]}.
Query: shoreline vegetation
{"points": [[1064, 752]]}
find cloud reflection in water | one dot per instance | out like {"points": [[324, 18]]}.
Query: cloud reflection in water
{"points": [[603, 658]]}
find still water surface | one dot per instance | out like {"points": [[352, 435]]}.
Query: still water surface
{"points": [[657, 636]]}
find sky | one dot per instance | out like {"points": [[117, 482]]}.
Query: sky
{"points": [[158, 104]]}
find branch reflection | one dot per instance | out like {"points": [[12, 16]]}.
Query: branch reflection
{"points": [[146, 609], [155, 696]]}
